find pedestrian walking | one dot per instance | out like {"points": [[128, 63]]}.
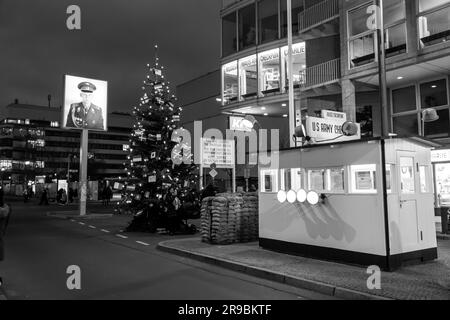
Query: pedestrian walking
{"points": [[44, 197], [5, 212]]}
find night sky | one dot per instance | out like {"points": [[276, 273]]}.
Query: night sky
{"points": [[115, 44]]}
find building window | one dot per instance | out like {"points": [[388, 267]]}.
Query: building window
{"points": [[269, 181], [230, 82], [268, 20], [363, 179], [395, 27], [361, 38], [270, 73], [297, 8], [247, 27], [336, 180], [5, 165], [434, 22], [229, 37], [316, 180], [407, 114], [248, 77]]}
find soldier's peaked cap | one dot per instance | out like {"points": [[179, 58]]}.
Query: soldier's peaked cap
{"points": [[87, 87]]}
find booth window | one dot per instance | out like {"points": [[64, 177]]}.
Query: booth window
{"points": [[269, 181], [298, 64], [336, 180], [230, 82], [407, 178], [316, 180], [389, 177], [270, 74], [424, 175], [363, 178], [248, 77], [291, 179]]}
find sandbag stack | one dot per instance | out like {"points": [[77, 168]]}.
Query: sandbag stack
{"points": [[229, 218]]}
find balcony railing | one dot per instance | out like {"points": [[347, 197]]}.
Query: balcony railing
{"points": [[323, 73], [318, 14]]}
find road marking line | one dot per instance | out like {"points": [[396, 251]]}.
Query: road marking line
{"points": [[121, 236], [143, 243], [105, 231], [92, 227], [82, 223], [72, 220]]}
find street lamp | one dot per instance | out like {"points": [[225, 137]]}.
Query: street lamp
{"points": [[428, 115]]}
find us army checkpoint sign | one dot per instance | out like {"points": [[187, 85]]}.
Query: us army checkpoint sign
{"points": [[85, 104]]}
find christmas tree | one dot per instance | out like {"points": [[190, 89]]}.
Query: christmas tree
{"points": [[157, 161]]}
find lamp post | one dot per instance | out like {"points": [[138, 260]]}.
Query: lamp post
{"points": [[428, 115], [290, 72]]}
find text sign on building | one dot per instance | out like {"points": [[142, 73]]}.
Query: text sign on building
{"points": [[218, 152], [328, 114], [440, 155], [328, 130]]}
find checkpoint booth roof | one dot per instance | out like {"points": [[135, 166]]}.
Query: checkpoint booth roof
{"points": [[327, 202]]}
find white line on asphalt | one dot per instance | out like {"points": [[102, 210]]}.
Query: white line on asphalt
{"points": [[143, 243], [72, 220], [82, 223], [121, 236], [105, 231], [92, 227]]}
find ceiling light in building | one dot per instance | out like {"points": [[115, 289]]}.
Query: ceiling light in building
{"points": [[218, 100], [301, 196], [284, 105], [266, 114], [282, 196], [400, 78], [312, 197], [263, 108], [285, 115], [291, 196], [434, 86]]}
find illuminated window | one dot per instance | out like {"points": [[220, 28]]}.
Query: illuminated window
{"points": [[270, 73], [230, 82], [335, 180], [290, 179], [298, 64], [248, 76], [316, 180]]}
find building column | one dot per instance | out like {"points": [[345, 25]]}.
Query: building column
{"points": [[349, 99]]}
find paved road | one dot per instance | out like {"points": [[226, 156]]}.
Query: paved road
{"points": [[114, 265]]}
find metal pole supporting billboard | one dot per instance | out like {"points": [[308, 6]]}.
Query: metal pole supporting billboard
{"points": [[290, 75], [83, 171]]}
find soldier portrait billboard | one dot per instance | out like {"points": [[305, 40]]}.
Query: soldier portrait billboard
{"points": [[85, 104]]}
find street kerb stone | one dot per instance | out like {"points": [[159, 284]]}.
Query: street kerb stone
{"points": [[327, 289]]}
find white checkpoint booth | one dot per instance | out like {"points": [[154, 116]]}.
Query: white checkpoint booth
{"points": [[327, 202]]}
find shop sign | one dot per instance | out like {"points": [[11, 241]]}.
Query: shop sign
{"points": [[440, 155], [328, 130], [298, 48], [219, 152], [328, 114]]}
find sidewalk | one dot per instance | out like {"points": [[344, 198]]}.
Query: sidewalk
{"points": [[426, 281]]}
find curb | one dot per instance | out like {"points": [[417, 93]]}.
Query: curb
{"points": [[319, 287]]}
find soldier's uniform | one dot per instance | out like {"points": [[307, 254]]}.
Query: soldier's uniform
{"points": [[85, 118]]}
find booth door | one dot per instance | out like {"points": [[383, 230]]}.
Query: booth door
{"points": [[409, 223]]}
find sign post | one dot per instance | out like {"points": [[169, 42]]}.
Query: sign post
{"points": [[83, 171]]}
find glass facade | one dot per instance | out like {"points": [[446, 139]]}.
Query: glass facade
{"points": [[263, 73], [268, 20], [229, 39], [247, 27], [434, 22]]}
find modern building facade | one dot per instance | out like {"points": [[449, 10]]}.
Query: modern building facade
{"points": [[32, 144]]}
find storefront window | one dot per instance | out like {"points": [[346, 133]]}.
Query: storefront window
{"points": [[248, 76], [363, 178], [229, 37], [269, 181], [270, 74], [298, 64], [247, 27], [442, 175], [316, 180], [297, 7], [434, 23], [336, 180], [268, 20], [230, 82]]}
